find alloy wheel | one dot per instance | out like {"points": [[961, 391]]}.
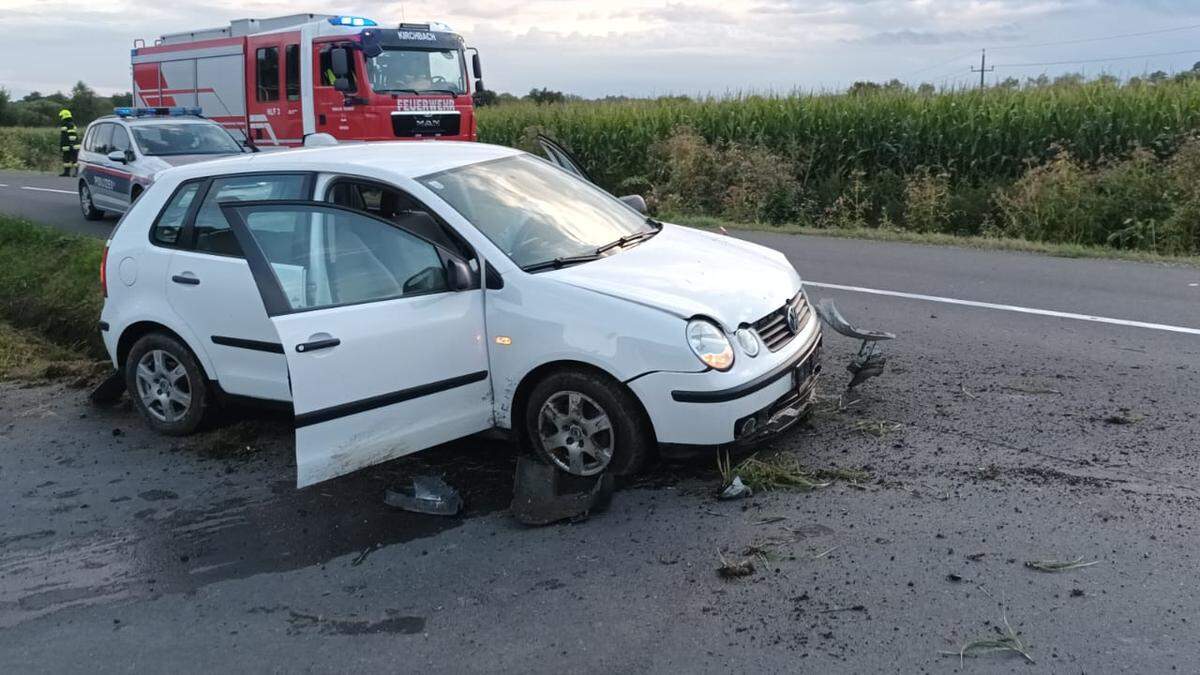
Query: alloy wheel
{"points": [[163, 385], [576, 433]]}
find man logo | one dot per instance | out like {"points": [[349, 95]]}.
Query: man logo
{"points": [[793, 319]]}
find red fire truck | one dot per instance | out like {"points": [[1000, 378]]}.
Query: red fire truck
{"points": [[282, 79]]}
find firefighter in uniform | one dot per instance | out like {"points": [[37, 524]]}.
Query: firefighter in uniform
{"points": [[68, 141]]}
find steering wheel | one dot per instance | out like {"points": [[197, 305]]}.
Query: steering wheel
{"points": [[528, 244], [438, 79]]}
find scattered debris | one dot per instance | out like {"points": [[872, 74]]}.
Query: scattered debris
{"points": [[778, 472], [427, 494], [1032, 390], [956, 578], [1008, 641], [869, 361], [734, 569], [1076, 592], [989, 472], [967, 393], [1123, 417], [764, 552], [826, 552], [876, 428], [852, 608], [1058, 565], [975, 557], [109, 391], [736, 490], [544, 495], [771, 520]]}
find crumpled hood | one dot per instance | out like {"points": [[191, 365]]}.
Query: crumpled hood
{"points": [[690, 272]]}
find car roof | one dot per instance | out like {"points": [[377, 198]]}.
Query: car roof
{"points": [[154, 119], [408, 159]]}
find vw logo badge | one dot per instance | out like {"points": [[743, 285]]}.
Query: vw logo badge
{"points": [[793, 319]]}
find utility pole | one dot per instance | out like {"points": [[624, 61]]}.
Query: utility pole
{"points": [[983, 70]]}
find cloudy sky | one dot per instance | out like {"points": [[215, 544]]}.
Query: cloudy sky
{"points": [[639, 47]]}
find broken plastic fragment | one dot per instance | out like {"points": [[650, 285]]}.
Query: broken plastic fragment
{"points": [[544, 495], [736, 490], [427, 494], [869, 361], [109, 391]]}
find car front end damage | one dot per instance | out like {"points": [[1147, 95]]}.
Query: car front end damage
{"points": [[758, 398]]}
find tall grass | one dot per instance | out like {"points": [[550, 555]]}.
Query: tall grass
{"points": [[29, 149], [973, 135]]}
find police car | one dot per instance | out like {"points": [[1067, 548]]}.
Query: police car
{"points": [[121, 153], [400, 295]]}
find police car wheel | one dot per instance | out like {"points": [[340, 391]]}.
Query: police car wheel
{"points": [[90, 212]]}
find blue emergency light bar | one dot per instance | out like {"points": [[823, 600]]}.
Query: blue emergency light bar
{"points": [[173, 111], [356, 21]]}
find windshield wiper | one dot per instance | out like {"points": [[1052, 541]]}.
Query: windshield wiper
{"points": [[627, 240], [561, 261]]}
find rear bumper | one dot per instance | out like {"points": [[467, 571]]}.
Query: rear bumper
{"points": [[686, 414]]}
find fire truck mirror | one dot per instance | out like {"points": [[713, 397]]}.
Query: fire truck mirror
{"points": [[339, 63], [342, 84], [476, 67], [478, 88]]}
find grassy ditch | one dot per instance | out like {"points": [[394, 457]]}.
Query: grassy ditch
{"points": [[29, 149], [26, 356], [49, 284]]}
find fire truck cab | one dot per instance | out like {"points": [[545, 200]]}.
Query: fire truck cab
{"points": [[282, 79]]}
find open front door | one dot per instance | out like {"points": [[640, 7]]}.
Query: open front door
{"points": [[559, 155], [384, 357]]}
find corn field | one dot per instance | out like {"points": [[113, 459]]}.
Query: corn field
{"points": [[973, 135]]}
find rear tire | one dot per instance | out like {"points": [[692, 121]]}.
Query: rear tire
{"points": [[166, 384], [584, 424], [90, 212]]}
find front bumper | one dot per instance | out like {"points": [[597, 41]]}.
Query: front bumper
{"points": [[686, 409]]}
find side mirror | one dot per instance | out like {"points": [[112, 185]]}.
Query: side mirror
{"points": [[638, 203], [475, 65], [459, 275], [342, 84], [118, 156], [339, 62]]}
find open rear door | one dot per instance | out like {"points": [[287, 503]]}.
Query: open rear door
{"points": [[559, 155], [384, 357]]}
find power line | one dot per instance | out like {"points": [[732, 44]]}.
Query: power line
{"points": [[1103, 60], [940, 64], [1176, 29]]}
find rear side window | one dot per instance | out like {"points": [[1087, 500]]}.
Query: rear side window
{"points": [[267, 73], [102, 139], [212, 230], [120, 139], [170, 223]]}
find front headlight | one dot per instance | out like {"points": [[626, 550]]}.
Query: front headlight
{"points": [[709, 344]]}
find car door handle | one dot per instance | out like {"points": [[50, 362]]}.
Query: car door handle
{"points": [[318, 344], [189, 281]]}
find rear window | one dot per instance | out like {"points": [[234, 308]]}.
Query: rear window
{"points": [[212, 230], [184, 139], [170, 221]]}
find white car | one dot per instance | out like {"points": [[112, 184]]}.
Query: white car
{"points": [[122, 153], [401, 295]]}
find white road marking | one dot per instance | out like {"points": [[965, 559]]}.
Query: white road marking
{"points": [[1010, 308], [38, 189], [3, 184]]}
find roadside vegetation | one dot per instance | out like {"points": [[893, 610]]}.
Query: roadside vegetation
{"points": [[1095, 164], [1066, 167], [49, 285], [26, 356]]}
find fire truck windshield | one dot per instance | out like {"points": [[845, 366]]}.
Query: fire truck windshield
{"points": [[417, 71]]}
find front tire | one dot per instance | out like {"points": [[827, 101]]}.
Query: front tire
{"points": [[90, 212], [584, 424], [166, 384]]}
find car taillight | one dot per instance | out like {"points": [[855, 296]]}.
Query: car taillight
{"points": [[104, 271]]}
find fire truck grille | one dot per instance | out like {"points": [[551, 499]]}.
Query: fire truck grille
{"points": [[416, 125], [773, 328]]}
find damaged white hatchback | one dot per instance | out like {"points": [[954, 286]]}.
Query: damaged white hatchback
{"points": [[401, 295]]}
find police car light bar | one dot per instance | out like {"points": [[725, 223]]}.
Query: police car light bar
{"points": [[173, 111], [356, 21]]}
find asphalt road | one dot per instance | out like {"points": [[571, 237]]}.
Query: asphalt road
{"points": [[1051, 417]]}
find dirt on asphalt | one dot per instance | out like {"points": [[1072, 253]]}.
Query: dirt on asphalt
{"points": [[122, 550]]}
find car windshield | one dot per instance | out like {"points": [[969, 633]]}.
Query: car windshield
{"points": [[417, 70], [533, 211], [184, 139]]}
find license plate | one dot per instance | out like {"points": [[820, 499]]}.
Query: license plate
{"points": [[804, 372]]}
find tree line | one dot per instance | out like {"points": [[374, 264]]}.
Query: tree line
{"points": [[41, 110]]}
